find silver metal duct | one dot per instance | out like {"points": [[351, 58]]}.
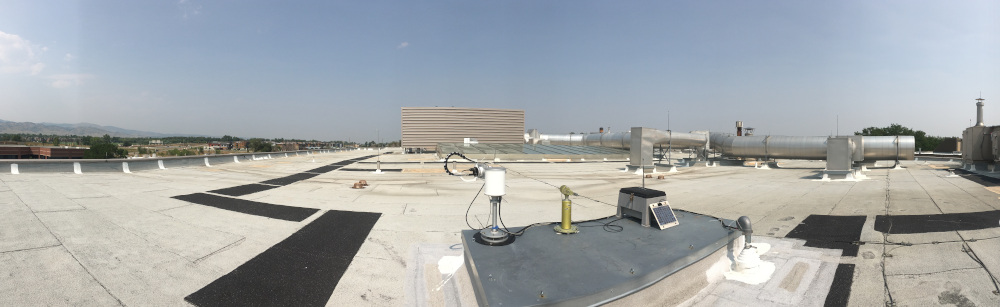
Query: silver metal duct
{"points": [[623, 140], [774, 147], [761, 147], [810, 147], [979, 112], [899, 147]]}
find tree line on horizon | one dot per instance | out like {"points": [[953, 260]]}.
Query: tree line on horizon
{"points": [[922, 141], [60, 140], [107, 147]]}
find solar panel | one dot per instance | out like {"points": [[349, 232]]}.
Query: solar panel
{"points": [[664, 215]]}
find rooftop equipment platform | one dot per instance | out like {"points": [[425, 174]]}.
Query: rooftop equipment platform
{"points": [[595, 266]]}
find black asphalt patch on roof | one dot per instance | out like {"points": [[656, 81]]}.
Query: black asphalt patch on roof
{"points": [[984, 180], [351, 161], [323, 169], [280, 212], [840, 290], [302, 270], [243, 189], [290, 179], [273, 183], [831, 231], [904, 224]]}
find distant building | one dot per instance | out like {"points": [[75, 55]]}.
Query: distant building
{"points": [[41, 152], [215, 146], [155, 142], [288, 146], [425, 127]]}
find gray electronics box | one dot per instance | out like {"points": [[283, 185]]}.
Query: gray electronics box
{"points": [[635, 202]]}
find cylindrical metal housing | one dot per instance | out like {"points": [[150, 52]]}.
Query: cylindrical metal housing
{"points": [[623, 140], [567, 214], [762, 147], [889, 147], [614, 140], [495, 181], [979, 113], [562, 139], [772, 147], [810, 147]]}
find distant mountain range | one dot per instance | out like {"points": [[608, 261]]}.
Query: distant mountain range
{"points": [[82, 129]]}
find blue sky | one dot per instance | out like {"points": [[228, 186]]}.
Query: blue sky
{"points": [[334, 70]]}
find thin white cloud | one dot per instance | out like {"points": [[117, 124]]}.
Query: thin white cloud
{"points": [[36, 68], [403, 45], [69, 57], [188, 8], [17, 55], [69, 80]]}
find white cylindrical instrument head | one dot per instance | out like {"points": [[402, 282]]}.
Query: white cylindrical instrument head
{"points": [[495, 181]]}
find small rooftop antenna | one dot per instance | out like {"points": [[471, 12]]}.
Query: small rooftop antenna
{"points": [[670, 140], [378, 159], [642, 166]]}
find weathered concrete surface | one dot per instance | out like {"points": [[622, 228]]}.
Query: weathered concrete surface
{"points": [[803, 277], [105, 237]]}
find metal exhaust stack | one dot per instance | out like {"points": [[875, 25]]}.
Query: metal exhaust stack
{"points": [[739, 128], [979, 112]]}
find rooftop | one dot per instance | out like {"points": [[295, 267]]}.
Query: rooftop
{"points": [[297, 233]]}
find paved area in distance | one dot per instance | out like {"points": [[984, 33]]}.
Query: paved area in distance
{"points": [[114, 238]]}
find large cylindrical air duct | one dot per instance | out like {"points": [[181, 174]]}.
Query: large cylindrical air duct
{"points": [[809, 147], [889, 147], [761, 147], [623, 140]]}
